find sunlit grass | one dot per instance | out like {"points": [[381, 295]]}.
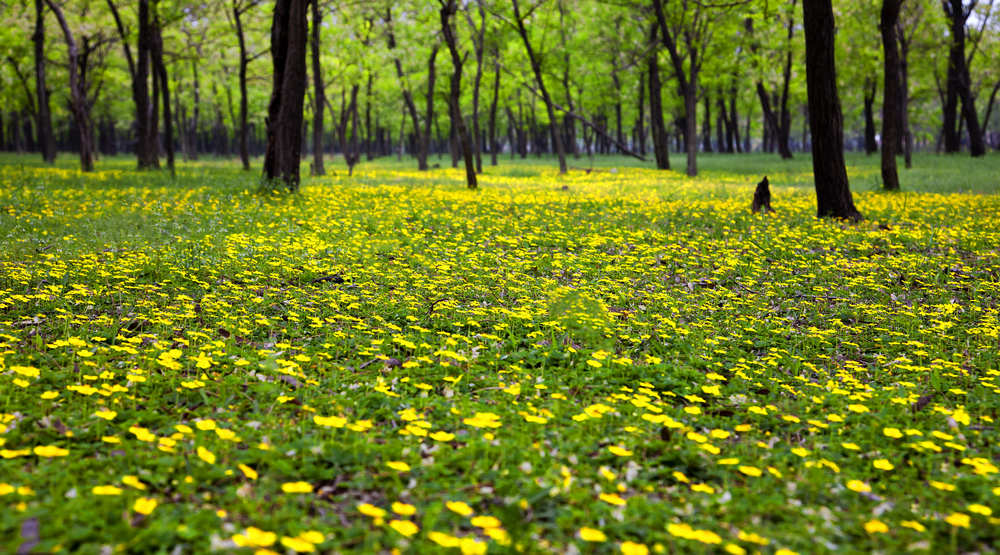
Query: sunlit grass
{"points": [[618, 360]]}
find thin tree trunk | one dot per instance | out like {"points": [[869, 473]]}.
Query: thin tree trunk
{"points": [[244, 61], [407, 93], [318, 94], [892, 94], [448, 10], [494, 142], [871, 87], [656, 123], [160, 68], [424, 139], [43, 113], [833, 193], [537, 69], [78, 96], [904, 95]]}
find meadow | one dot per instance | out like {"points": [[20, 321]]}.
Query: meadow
{"points": [[615, 360]]}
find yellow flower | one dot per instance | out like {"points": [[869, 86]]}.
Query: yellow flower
{"points": [[107, 490], [330, 421], [882, 464], [958, 520], [144, 505], [404, 527], [134, 482], [750, 470], [471, 546], [403, 509], [206, 455], [255, 537], [444, 540], [296, 487], [247, 471], [459, 507], [734, 549], [612, 499], [876, 526], [106, 414], [442, 436], [980, 509], [485, 521], [368, 509], [913, 525], [483, 420], [592, 535], [892, 432], [49, 451], [858, 486], [398, 466], [632, 548], [619, 451], [297, 544]]}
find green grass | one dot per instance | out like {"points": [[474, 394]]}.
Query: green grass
{"points": [[631, 361]]}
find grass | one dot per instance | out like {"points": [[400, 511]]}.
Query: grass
{"points": [[607, 361]]}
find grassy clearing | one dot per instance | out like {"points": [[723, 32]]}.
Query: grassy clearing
{"points": [[390, 361]]}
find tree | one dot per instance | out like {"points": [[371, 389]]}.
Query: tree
{"points": [[46, 140], [892, 117], [147, 149], [318, 95], [448, 9], [78, 94], [959, 83], [536, 68], [241, 7], [284, 122], [833, 193], [657, 126]]}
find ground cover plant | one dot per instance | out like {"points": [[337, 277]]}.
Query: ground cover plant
{"points": [[619, 360]]}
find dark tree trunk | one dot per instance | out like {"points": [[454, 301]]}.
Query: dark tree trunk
{"points": [[640, 122], [871, 144], [958, 76], [478, 45], [284, 121], [244, 131], [407, 93], [892, 94], [540, 81], [78, 95], [687, 83], [833, 193], [146, 148], [448, 9], [784, 127], [195, 113], [43, 113], [706, 125], [370, 141], [656, 123], [904, 95], [161, 76], [494, 142], [734, 121], [424, 138], [318, 94]]}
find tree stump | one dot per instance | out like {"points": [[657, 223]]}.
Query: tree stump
{"points": [[762, 197]]}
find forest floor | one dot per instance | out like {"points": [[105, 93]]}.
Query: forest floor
{"points": [[620, 360]]}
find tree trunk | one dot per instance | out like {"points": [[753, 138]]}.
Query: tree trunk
{"points": [[640, 122], [687, 83], [161, 72], [833, 193], [892, 94], [284, 123], [407, 93], [318, 94], [244, 61], [494, 142], [706, 125], [43, 113], [537, 69], [657, 126], [195, 113], [78, 96], [959, 83], [424, 138], [146, 148], [871, 145], [448, 9]]}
